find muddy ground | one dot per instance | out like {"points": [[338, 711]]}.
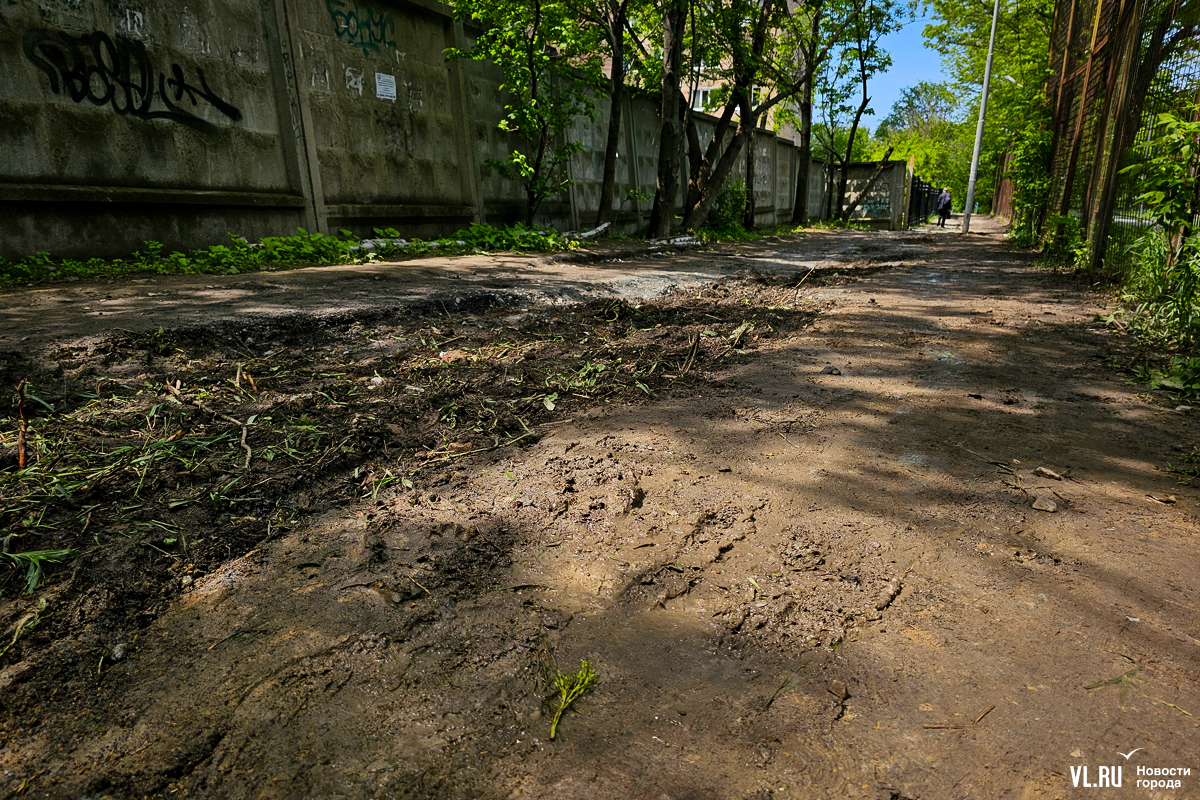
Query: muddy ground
{"points": [[845, 515]]}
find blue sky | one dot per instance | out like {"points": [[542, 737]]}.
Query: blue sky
{"points": [[911, 64]]}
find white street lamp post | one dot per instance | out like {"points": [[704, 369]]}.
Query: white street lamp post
{"points": [[987, 79]]}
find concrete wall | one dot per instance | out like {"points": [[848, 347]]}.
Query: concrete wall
{"points": [[121, 124], [127, 120], [882, 208]]}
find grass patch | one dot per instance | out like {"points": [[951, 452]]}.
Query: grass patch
{"points": [[305, 249], [736, 232]]}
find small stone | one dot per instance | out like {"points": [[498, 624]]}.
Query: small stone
{"points": [[377, 381], [1183, 409], [633, 499], [455, 356], [186, 581], [839, 690], [831, 370], [888, 594], [119, 652], [1042, 503], [1047, 473], [724, 468]]}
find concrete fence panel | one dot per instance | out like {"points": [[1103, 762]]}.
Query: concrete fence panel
{"points": [[785, 180], [387, 112], [132, 121], [125, 121]]}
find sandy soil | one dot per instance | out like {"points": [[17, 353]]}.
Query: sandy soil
{"points": [[804, 559]]}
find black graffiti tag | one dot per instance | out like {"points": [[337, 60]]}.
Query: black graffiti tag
{"points": [[360, 26], [118, 72]]}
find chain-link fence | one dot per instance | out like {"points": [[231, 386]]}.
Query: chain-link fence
{"points": [[1116, 65]]}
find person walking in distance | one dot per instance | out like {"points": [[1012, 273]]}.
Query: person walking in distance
{"points": [[943, 207]]}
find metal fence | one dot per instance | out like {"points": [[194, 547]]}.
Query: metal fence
{"points": [[922, 201], [1116, 65]]}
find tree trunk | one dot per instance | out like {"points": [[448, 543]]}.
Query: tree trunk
{"points": [[706, 193], [800, 212], [845, 176], [804, 167], [870, 183], [616, 93], [708, 178], [669, 139], [748, 219], [702, 165], [532, 198], [695, 155]]}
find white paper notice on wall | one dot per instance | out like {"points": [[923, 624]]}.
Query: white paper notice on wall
{"points": [[385, 86]]}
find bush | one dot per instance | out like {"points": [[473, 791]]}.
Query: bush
{"points": [[1163, 273], [1029, 172], [1063, 244], [730, 205], [1160, 308]]}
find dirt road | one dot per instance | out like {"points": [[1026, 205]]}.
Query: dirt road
{"points": [[915, 540]]}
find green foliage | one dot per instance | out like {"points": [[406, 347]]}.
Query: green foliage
{"points": [[278, 252], [551, 68], [834, 142], [1064, 245], [923, 109], [1182, 374], [482, 237], [635, 195], [926, 125], [273, 252], [31, 561], [582, 381], [841, 83], [1029, 172], [1156, 310], [960, 32], [1163, 277], [730, 203], [1167, 175], [570, 687]]}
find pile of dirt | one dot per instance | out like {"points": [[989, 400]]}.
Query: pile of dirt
{"points": [[156, 457]]}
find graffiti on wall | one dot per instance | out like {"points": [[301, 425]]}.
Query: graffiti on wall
{"points": [[361, 26], [877, 207], [118, 72]]}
